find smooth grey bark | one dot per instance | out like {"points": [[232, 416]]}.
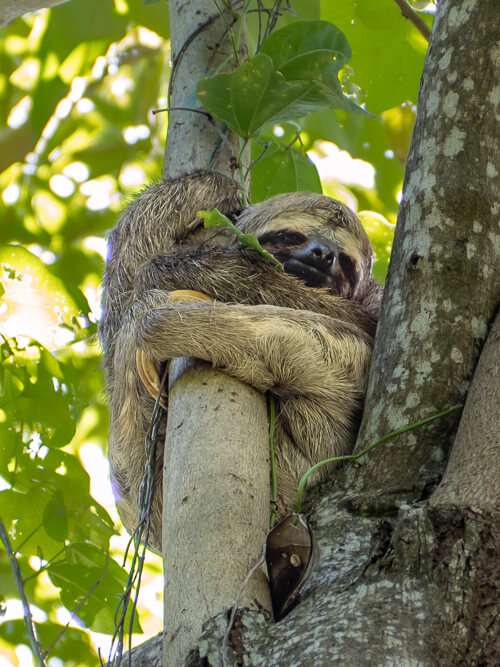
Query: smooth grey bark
{"points": [[216, 482], [10, 10], [199, 42], [402, 581]]}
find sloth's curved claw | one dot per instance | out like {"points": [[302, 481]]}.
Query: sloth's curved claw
{"points": [[179, 295], [149, 375], [148, 372]]}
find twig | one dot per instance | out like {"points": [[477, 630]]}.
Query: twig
{"points": [[28, 618], [42, 568], [409, 13], [266, 146]]}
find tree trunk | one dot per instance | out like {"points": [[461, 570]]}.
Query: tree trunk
{"points": [[443, 285], [216, 482]]}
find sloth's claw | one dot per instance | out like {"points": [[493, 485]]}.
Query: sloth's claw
{"points": [[148, 372]]}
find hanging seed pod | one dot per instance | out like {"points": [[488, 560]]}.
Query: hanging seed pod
{"points": [[291, 555]]}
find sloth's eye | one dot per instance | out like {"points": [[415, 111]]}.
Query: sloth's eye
{"points": [[291, 237], [282, 237]]}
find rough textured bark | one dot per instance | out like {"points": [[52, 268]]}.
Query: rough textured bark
{"points": [[216, 486], [10, 10], [472, 476], [422, 588], [443, 285]]}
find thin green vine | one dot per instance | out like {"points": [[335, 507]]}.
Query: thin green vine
{"points": [[355, 457], [272, 456]]}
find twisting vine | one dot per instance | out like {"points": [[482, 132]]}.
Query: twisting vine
{"points": [[374, 445], [139, 539]]}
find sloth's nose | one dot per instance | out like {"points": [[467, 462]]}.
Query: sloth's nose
{"points": [[323, 253]]}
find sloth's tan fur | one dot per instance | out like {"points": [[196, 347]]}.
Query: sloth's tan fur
{"points": [[309, 346]]}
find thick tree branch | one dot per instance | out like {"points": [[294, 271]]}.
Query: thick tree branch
{"points": [[472, 476], [216, 482], [10, 10]]}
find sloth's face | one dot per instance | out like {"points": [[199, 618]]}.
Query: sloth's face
{"points": [[316, 238], [316, 260]]}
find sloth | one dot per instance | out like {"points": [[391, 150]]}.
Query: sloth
{"points": [[304, 334]]}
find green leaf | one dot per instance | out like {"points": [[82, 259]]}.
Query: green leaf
{"points": [[307, 50], [381, 234], [77, 578], [313, 51], [55, 518], [216, 219], [58, 486], [253, 96], [280, 170], [295, 73], [387, 50], [37, 391], [35, 302]]}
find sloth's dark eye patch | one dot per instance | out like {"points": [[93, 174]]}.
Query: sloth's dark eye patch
{"points": [[348, 266], [283, 236]]}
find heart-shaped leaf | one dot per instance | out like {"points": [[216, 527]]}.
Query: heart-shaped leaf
{"points": [[253, 96], [305, 50]]}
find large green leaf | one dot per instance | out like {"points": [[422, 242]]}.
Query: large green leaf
{"points": [[387, 50], [35, 302], [280, 170], [253, 96], [89, 574], [307, 50]]}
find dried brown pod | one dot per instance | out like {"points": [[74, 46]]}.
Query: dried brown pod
{"points": [[291, 556]]}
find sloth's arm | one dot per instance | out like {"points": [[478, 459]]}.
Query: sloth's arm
{"points": [[286, 351], [316, 366], [235, 274]]}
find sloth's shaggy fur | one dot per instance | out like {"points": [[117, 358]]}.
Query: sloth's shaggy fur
{"points": [[305, 335]]}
